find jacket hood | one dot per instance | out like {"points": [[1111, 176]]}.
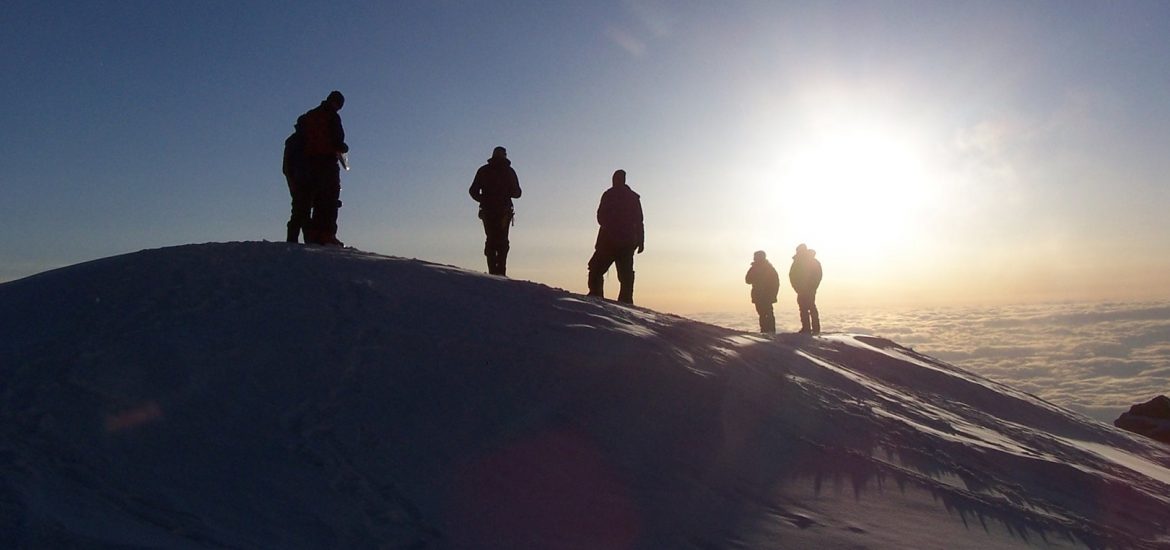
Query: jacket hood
{"points": [[495, 161]]}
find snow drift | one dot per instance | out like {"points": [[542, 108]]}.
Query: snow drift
{"points": [[265, 395]]}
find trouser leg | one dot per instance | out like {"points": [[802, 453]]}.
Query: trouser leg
{"points": [[311, 190], [301, 208], [625, 273], [324, 219], [813, 314], [596, 283], [767, 318], [502, 249], [325, 191], [803, 302], [598, 265], [495, 249], [489, 249]]}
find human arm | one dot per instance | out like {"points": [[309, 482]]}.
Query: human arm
{"points": [[339, 135], [476, 189], [515, 187], [641, 226]]}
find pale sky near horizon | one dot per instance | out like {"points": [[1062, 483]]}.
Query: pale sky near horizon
{"points": [[933, 153]]}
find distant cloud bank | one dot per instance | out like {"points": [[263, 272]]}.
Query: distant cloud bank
{"points": [[1096, 359]]}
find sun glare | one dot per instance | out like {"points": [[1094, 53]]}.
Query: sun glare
{"points": [[857, 189]]}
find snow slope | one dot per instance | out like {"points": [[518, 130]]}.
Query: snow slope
{"points": [[265, 395]]}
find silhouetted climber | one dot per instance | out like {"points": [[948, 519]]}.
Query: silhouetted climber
{"points": [[494, 187], [302, 200], [805, 276], [765, 286], [322, 146], [620, 235]]}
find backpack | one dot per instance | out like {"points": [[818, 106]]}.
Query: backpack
{"points": [[293, 153]]}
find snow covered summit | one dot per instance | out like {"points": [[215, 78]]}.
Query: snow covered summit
{"points": [[266, 395]]}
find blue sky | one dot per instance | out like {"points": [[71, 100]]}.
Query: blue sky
{"points": [[932, 152]]}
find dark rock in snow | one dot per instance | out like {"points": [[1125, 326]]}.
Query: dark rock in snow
{"points": [[1151, 419]]}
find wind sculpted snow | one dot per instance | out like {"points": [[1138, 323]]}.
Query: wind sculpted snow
{"points": [[265, 395]]}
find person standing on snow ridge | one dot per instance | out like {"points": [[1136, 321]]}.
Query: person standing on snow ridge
{"points": [[293, 169], [765, 286], [494, 187], [323, 144], [622, 233], [805, 276]]}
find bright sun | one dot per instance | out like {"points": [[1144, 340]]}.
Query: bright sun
{"points": [[855, 188]]}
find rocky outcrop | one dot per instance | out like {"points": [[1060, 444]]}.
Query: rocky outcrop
{"points": [[1151, 419]]}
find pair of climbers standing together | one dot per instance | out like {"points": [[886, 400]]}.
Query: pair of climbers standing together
{"points": [[805, 277], [621, 233], [311, 157]]}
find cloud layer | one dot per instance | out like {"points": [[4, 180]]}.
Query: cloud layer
{"points": [[1097, 359]]}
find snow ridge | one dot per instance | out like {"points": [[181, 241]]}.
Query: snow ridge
{"points": [[261, 395]]}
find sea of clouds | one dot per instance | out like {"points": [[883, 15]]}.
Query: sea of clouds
{"points": [[1096, 359]]}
